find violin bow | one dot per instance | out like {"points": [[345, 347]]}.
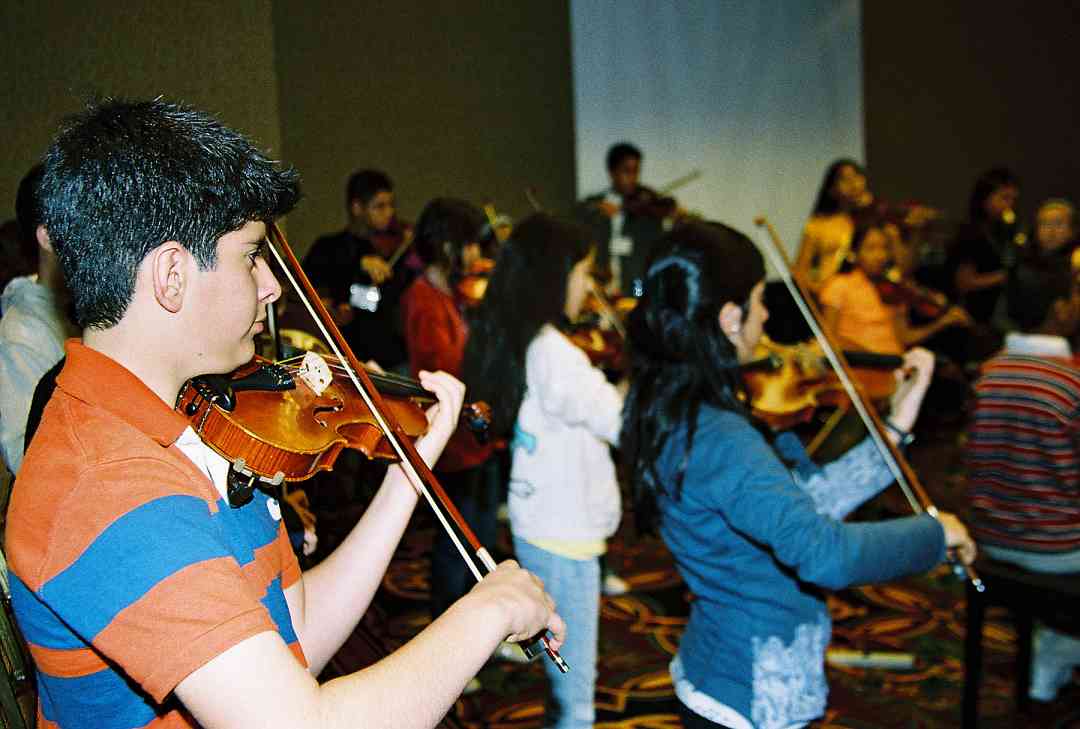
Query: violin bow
{"points": [[416, 470], [901, 470], [606, 311], [534, 202], [679, 182]]}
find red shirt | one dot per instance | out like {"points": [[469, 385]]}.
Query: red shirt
{"points": [[435, 336]]}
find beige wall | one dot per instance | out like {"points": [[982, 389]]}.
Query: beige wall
{"points": [[218, 56], [450, 98]]}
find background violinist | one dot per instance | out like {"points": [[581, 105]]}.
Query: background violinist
{"points": [[984, 248], [351, 269], [853, 306], [435, 336], [144, 595], [626, 218]]}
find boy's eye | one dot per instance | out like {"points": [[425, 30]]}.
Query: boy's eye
{"points": [[257, 252]]}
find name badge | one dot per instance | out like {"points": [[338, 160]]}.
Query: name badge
{"points": [[365, 297]]}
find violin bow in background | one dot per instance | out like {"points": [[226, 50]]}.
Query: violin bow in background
{"points": [[417, 471], [680, 182], [901, 470]]}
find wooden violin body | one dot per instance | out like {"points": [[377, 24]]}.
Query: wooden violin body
{"points": [[894, 288], [289, 429], [387, 242], [600, 332], [604, 347], [800, 380], [648, 203]]}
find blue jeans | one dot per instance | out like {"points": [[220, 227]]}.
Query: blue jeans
{"points": [[574, 584]]}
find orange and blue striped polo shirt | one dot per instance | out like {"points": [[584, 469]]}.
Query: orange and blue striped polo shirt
{"points": [[128, 568]]}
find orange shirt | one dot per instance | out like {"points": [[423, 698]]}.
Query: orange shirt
{"points": [[129, 570], [865, 322]]}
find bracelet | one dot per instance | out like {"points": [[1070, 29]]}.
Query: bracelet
{"points": [[904, 438]]}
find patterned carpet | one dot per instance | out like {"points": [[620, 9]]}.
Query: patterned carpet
{"points": [[640, 632]]}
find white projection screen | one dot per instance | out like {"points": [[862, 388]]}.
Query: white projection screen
{"points": [[759, 96]]}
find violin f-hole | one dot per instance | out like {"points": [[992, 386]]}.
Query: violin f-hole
{"points": [[335, 405]]}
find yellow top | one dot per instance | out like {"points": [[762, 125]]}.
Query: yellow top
{"points": [[830, 236], [572, 549]]}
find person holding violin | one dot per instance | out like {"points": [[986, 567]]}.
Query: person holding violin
{"points": [[563, 416], [435, 336], [352, 270], [985, 248], [626, 218], [755, 528], [854, 308], [146, 597]]}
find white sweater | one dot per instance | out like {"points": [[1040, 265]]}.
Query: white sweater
{"points": [[562, 483]]}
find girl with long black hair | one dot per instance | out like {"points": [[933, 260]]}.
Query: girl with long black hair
{"points": [[827, 236], [562, 415], [754, 526]]}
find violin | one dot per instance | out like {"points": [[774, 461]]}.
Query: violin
{"points": [[648, 203], [388, 241], [901, 470], [602, 346], [601, 332], [787, 383], [472, 286], [894, 289], [240, 416], [383, 418]]}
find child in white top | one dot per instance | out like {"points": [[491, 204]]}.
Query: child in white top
{"points": [[562, 415]]}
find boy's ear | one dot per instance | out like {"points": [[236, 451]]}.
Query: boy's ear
{"points": [[168, 268]]}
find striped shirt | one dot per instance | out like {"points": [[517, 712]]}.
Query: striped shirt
{"points": [[1023, 453], [129, 569]]}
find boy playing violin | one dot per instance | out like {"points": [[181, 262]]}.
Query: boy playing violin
{"points": [[626, 218], [146, 598], [352, 268]]}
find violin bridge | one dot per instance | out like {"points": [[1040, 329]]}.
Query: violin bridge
{"points": [[315, 373]]}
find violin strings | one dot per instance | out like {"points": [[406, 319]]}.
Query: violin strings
{"points": [[407, 467], [388, 378], [334, 364]]}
